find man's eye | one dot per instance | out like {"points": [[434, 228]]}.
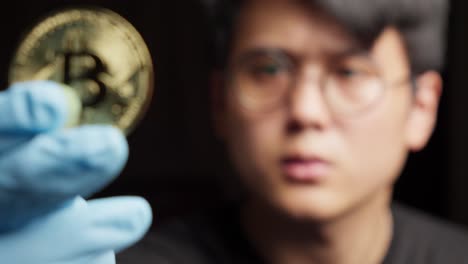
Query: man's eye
{"points": [[348, 72], [269, 69]]}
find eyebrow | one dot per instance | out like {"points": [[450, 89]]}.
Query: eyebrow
{"points": [[263, 51], [259, 51], [351, 52], [276, 50]]}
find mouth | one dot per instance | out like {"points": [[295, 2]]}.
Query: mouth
{"points": [[302, 169]]}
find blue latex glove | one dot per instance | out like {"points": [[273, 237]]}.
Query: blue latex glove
{"points": [[78, 233], [43, 168]]}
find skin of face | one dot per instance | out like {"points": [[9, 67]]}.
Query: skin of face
{"points": [[364, 154]]}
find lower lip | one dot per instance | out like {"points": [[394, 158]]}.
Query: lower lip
{"points": [[305, 171]]}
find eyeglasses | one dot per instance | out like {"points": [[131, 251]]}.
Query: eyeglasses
{"points": [[262, 80]]}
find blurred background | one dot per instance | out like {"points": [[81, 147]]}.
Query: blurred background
{"points": [[177, 163]]}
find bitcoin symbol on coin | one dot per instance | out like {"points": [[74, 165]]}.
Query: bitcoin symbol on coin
{"points": [[97, 53]]}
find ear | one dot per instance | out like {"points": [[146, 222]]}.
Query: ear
{"points": [[423, 112], [218, 104]]}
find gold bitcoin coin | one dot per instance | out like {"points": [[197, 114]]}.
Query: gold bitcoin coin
{"points": [[96, 52]]}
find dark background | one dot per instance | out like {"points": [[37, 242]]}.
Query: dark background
{"points": [[175, 160]]}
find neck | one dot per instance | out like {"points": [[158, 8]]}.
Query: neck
{"points": [[361, 235]]}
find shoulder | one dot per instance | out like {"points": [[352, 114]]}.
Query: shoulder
{"points": [[422, 238]]}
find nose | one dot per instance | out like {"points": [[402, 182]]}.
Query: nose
{"points": [[306, 106]]}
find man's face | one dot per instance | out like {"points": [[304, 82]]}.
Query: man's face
{"points": [[303, 156]]}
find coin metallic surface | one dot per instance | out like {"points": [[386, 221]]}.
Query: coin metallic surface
{"points": [[96, 52]]}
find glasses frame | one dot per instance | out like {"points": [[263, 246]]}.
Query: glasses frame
{"points": [[291, 63]]}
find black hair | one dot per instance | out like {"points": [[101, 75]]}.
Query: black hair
{"points": [[421, 22]]}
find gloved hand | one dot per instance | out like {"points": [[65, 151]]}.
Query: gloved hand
{"points": [[79, 232], [44, 167]]}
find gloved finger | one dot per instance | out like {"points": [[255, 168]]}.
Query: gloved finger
{"points": [[61, 236], [116, 223], [84, 228], [96, 258], [56, 166], [33, 107]]}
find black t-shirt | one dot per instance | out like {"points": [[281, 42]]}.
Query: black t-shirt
{"points": [[217, 237]]}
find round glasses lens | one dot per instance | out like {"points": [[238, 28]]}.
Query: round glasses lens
{"points": [[261, 81], [350, 95]]}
